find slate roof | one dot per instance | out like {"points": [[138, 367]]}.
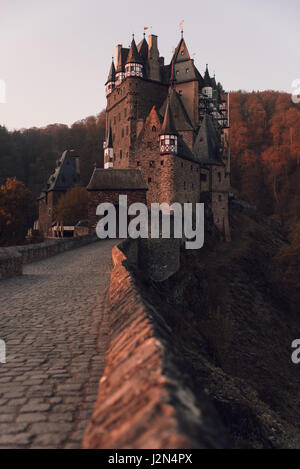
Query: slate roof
{"points": [[109, 140], [64, 176], [179, 114], [207, 144], [116, 179], [168, 127], [143, 48]]}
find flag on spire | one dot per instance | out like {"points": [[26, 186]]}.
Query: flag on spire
{"points": [[181, 24]]}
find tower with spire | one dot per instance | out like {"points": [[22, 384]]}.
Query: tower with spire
{"points": [[170, 123]]}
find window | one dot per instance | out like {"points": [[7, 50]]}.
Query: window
{"points": [[162, 162], [122, 132], [127, 154], [203, 177], [121, 154], [149, 180], [138, 163], [125, 112], [187, 70], [220, 198], [192, 186], [191, 167], [219, 177], [182, 165], [151, 164], [154, 129]]}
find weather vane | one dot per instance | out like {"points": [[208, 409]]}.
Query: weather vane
{"points": [[181, 27]]}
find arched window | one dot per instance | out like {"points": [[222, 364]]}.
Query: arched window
{"points": [[153, 128]]}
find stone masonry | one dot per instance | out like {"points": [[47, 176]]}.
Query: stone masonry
{"points": [[52, 320]]}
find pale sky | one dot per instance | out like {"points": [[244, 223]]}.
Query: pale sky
{"points": [[55, 55]]}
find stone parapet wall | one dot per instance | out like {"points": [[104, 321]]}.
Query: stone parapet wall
{"points": [[13, 258], [145, 399], [10, 262], [36, 252]]}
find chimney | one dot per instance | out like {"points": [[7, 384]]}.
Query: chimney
{"points": [[153, 59], [119, 57]]}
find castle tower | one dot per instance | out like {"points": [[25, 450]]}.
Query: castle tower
{"points": [[110, 84], [134, 64], [108, 151]]}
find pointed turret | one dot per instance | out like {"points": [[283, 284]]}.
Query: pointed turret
{"points": [[112, 73], [208, 85], [110, 84], [134, 62], [213, 82], [143, 49], [108, 151], [168, 140]]}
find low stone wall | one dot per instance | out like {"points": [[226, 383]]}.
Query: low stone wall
{"points": [[36, 252], [10, 262], [145, 399], [13, 258]]}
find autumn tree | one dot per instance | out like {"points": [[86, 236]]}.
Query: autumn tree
{"points": [[17, 210], [72, 206]]}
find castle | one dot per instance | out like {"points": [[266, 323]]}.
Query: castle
{"points": [[167, 138], [167, 133]]}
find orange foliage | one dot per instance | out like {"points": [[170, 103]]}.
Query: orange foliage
{"points": [[265, 149]]}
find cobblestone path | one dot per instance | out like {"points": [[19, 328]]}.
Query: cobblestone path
{"points": [[52, 320]]}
